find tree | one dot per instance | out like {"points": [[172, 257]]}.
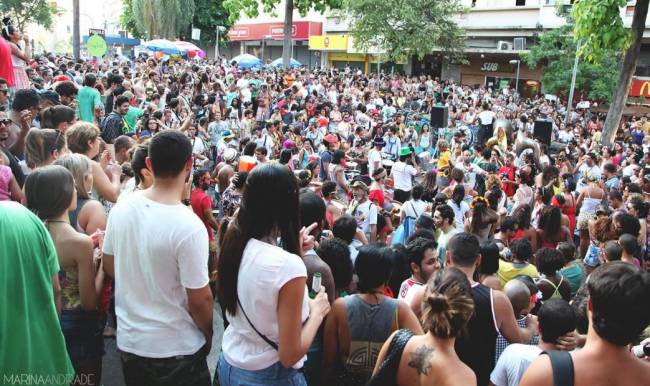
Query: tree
{"points": [[599, 25], [405, 28], [158, 18], [251, 9], [207, 16], [23, 12], [128, 20], [556, 50]]}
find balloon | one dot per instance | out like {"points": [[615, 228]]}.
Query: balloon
{"points": [[191, 54], [158, 54], [96, 45], [202, 54]]}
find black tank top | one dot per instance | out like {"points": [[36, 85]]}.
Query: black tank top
{"points": [[477, 347]]}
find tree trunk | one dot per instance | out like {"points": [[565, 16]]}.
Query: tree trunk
{"points": [[76, 36], [625, 76], [287, 45]]}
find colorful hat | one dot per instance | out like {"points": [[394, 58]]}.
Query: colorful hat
{"points": [[404, 151], [227, 134]]}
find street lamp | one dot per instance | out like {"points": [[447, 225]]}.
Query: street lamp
{"points": [[220, 28], [517, 62]]}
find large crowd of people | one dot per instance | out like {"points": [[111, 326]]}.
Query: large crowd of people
{"points": [[346, 237]]}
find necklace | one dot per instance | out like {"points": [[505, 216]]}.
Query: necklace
{"points": [[62, 221]]}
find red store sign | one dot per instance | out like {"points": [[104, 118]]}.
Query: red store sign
{"points": [[300, 30]]}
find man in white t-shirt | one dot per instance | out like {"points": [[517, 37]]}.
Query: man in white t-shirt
{"points": [[556, 318], [364, 211], [485, 117], [163, 301], [374, 155], [403, 174]]}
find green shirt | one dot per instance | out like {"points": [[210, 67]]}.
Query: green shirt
{"points": [[131, 119], [88, 99], [31, 340], [507, 271], [575, 275]]}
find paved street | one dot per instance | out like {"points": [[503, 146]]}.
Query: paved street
{"points": [[112, 369]]}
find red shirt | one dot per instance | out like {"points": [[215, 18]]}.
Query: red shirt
{"points": [[508, 188], [200, 202], [6, 66]]}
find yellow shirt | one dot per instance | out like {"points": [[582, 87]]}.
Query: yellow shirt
{"points": [[507, 271], [443, 162]]}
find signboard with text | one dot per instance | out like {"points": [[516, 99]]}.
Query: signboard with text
{"points": [[300, 30]]}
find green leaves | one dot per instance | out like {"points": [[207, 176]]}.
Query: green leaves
{"points": [[556, 50], [210, 14], [599, 25], [251, 7], [407, 27], [164, 18], [23, 12]]}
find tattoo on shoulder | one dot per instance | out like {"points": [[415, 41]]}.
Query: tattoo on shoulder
{"points": [[421, 359]]}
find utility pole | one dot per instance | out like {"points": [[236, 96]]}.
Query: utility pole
{"points": [[573, 85], [76, 36]]}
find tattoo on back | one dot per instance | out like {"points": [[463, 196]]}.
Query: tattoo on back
{"points": [[421, 359]]}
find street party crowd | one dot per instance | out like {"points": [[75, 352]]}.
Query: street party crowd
{"points": [[344, 236]]}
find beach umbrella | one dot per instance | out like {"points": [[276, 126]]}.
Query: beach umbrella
{"points": [[164, 46], [293, 63], [247, 61]]}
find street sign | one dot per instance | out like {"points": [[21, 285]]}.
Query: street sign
{"points": [[196, 34], [96, 46]]}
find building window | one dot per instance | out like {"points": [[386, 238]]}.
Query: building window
{"points": [[520, 3], [629, 10]]}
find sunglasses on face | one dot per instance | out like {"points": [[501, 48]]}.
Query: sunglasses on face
{"points": [[4, 91], [5, 121]]}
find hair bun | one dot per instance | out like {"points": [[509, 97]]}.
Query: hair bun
{"points": [[438, 303]]}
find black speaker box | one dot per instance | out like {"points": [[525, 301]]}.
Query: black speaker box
{"points": [[439, 116], [543, 131]]}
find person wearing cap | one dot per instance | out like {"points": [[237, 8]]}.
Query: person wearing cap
{"points": [[403, 172], [364, 211], [332, 143], [225, 142]]}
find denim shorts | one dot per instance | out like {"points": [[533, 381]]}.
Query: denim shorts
{"points": [[83, 331], [274, 375]]}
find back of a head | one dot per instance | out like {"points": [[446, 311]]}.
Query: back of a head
{"points": [[373, 267], [80, 167], [90, 80], [336, 254], [464, 249], [123, 142], [53, 116], [80, 135], [568, 249], [25, 99], [556, 318], [629, 243], [549, 260], [522, 249], [519, 295], [613, 250], [138, 162], [345, 227], [169, 152], [312, 208], [417, 192], [328, 188], [447, 305], [619, 293], [58, 182], [489, 258]]}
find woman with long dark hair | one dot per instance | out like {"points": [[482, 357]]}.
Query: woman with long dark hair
{"points": [[459, 206], [550, 231], [262, 285]]}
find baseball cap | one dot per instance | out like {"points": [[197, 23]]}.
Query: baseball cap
{"points": [[359, 185]]}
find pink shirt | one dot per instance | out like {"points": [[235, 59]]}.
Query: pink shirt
{"points": [[5, 182], [6, 66]]}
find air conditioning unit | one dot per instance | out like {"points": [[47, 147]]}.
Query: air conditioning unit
{"points": [[504, 46], [520, 44]]}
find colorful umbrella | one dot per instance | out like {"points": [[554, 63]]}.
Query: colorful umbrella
{"points": [[186, 46], [247, 61], [164, 46], [293, 63]]}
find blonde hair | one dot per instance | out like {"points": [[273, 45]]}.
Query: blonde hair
{"points": [[447, 305], [40, 144], [79, 135], [79, 165]]}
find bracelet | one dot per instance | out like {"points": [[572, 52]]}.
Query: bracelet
{"points": [[186, 202]]}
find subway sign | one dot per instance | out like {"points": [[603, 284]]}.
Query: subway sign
{"points": [[640, 87]]}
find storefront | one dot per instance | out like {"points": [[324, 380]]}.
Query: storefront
{"points": [[496, 72], [265, 40]]}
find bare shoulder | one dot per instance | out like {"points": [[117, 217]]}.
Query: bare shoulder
{"points": [[538, 373]]}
